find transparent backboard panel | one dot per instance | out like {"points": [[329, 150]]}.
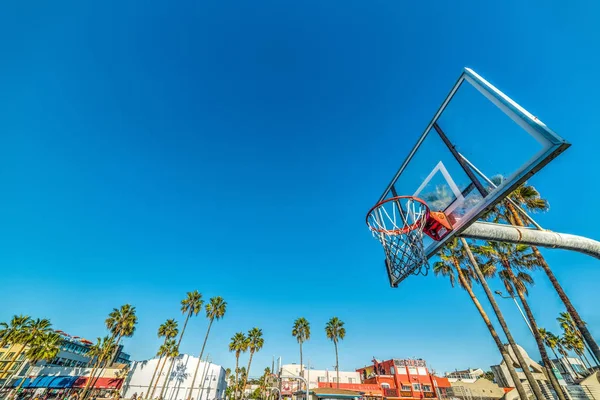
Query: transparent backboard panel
{"points": [[492, 137]]}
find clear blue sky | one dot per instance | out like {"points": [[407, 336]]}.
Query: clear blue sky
{"points": [[152, 148]]}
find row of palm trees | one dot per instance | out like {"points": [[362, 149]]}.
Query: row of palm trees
{"points": [[334, 330], [242, 343], [36, 339], [477, 263], [172, 337]]}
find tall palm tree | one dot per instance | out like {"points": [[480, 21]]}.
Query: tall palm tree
{"points": [[45, 347], [527, 197], [190, 306], [255, 343], [510, 257], [29, 332], [121, 323], [301, 331], [238, 344], [165, 350], [454, 262], [167, 330], [335, 331], [215, 309]]}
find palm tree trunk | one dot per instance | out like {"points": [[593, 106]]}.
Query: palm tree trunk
{"points": [[158, 378], [337, 366], [500, 317], [166, 385], [301, 365], [585, 361], [237, 371], [548, 371], [200, 359], [154, 374], [115, 353], [108, 362], [587, 336], [247, 371], [509, 362], [86, 389]]}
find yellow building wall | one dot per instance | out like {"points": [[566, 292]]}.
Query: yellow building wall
{"points": [[6, 355]]}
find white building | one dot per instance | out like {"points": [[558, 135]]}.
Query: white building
{"points": [[316, 376], [571, 368], [209, 385]]}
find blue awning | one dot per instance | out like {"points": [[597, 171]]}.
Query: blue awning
{"points": [[51, 382]]}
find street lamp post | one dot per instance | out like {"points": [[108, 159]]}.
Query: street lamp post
{"points": [[510, 296]]}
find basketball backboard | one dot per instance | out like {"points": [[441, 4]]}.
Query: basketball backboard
{"points": [[477, 135]]}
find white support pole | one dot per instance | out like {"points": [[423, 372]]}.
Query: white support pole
{"points": [[533, 237]]}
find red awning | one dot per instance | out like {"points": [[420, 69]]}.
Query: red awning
{"points": [[100, 383]]}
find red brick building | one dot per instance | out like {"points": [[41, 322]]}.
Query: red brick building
{"points": [[404, 379]]}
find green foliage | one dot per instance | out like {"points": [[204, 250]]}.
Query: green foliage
{"points": [[301, 330], [334, 329]]}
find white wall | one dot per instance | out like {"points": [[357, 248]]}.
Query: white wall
{"points": [[313, 375], [210, 386]]}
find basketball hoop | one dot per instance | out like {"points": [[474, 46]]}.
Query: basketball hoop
{"points": [[399, 224]]}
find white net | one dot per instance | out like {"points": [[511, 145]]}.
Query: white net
{"points": [[398, 224]]}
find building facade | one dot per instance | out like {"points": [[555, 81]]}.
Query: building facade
{"points": [[210, 381], [316, 378], [73, 353], [572, 369], [405, 379]]}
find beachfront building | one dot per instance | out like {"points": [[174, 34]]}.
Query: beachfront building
{"points": [[404, 379], [209, 384]]}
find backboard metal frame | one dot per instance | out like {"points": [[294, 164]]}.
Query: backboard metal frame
{"points": [[552, 146]]}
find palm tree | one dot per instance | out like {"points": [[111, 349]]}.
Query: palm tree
{"points": [[572, 335], [575, 343], [121, 323], [527, 197], [301, 331], [163, 351], [255, 343], [335, 331], [453, 264], [190, 306], [45, 347], [9, 331], [215, 309], [102, 351], [169, 350], [30, 331], [520, 257], [238, 344], [550, 340], [167, 330]]}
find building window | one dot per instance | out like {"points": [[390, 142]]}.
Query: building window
{"points": [[9, 356], [334, 380], [392, 371], [427, 388], [385, 386], [321, 379], [416, 387], [405, 388], [350, 380]]}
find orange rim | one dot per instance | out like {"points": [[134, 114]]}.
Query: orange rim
{"points": [[404, 230]]}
